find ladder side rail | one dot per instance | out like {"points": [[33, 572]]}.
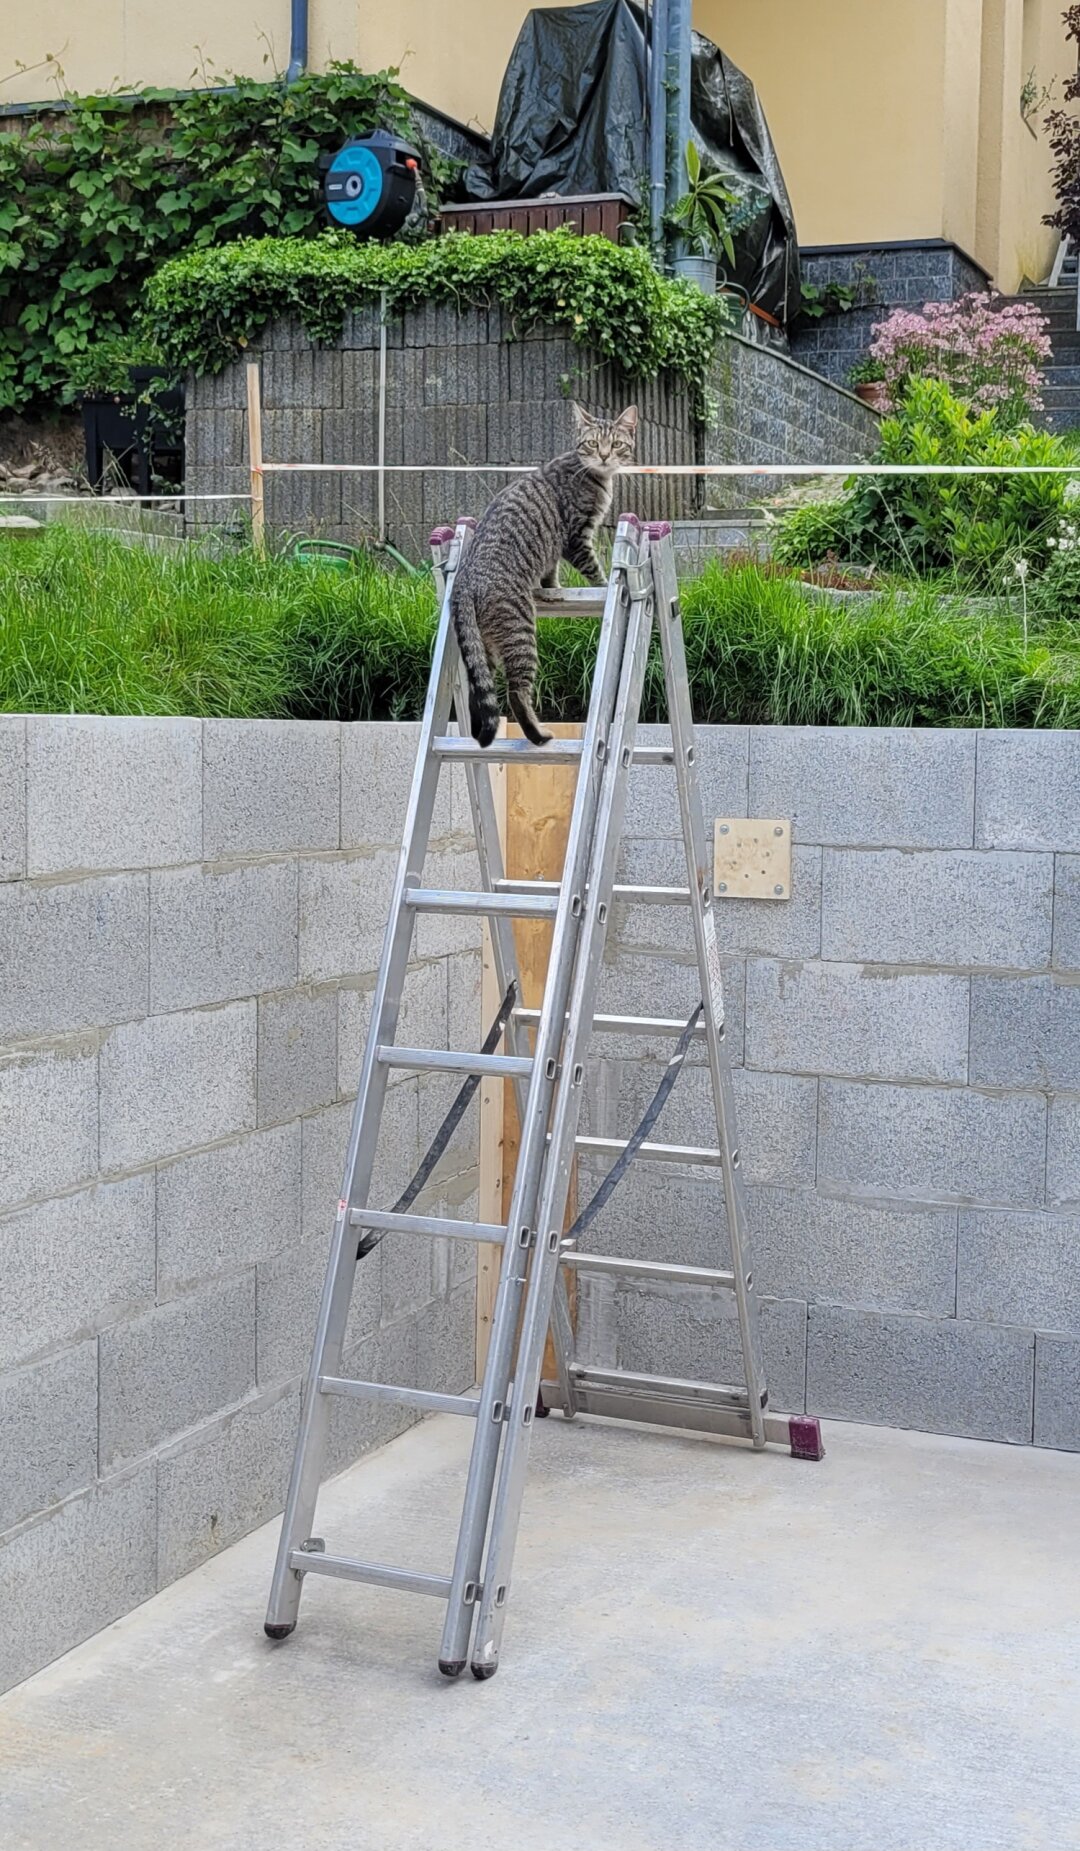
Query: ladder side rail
{"points": [[520, 1231], [326, 1352], [546, 1272], [700, 877]]}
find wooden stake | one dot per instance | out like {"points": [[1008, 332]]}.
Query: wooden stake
{"points": [[255, 457]]}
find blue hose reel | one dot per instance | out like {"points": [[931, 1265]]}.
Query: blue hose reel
{"points": [[370, 185]]}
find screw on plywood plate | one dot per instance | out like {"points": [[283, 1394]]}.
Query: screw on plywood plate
{"points": [[752, 857]]}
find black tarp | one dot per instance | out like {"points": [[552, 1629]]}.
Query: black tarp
{"points": [[572, 119]]}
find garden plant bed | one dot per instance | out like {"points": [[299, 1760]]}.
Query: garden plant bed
{"points": [[93, 625]]}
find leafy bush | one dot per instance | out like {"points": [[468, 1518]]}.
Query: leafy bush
{"points": [[965, 525], [1063, 129], [93, 198], [206, 306], [91, 625], [809, 533], [989, 354]]}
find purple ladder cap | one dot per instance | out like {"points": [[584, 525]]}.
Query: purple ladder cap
{"points": [[634, 520], [659, 530], [440, 536], [804, 1431], [466, 520]]}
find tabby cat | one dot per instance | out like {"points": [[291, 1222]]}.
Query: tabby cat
{"points": [[530, 525]]}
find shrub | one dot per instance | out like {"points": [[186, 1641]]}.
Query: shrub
{"points": [[965, 525], [1055, 594], [93, 198], [989, 354], [205, 307], [810, 533], [1063, 129]]}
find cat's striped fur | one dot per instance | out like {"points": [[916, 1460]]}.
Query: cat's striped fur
{"points": [[531, 525]]}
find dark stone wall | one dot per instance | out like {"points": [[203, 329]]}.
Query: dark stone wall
{"points": [[765, 408], [904, 275], [460, 389]]}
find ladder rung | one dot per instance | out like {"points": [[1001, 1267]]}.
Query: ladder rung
{"points": [[622, 1024], [439, 900], [669, 1388], [441, 1060], [649, 1269], [508, 751], [667, 1411], [572, 601], [380, 1574], [422, 1398], [652, 1153], [654, 755], [635, 896], [379, 1219]]}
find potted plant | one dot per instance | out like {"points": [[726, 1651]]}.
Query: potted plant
{"points": [[867, 377], [704, 218]]}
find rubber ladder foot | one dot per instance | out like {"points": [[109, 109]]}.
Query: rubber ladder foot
{"points": [[279, 1630], [806, 1440], [480, 1672], [451, 1667]]}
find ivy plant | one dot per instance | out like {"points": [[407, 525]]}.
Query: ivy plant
{"points": [[205, 307], [94, 196]]}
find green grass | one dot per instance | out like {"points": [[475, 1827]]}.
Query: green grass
{"points": [[90, 625]]}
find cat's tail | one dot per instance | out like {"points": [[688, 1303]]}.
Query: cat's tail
{"points": [[483, 701]]}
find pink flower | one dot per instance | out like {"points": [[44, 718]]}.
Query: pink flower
{"points": [[987, 351]]}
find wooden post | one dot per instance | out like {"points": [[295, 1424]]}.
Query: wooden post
{"points": [[255, 457]]}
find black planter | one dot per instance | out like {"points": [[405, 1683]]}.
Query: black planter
{"points": [[143, 432]]}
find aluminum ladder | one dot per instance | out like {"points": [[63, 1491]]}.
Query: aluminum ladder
{"points": [[544, 1058]]}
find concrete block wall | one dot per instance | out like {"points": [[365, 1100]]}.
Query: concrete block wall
{"points": [[765, 408], [461, 388], [191, 916], [907, 1036]]}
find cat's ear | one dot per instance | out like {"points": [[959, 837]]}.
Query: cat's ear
{"points": [[583, 420], [628, 421]]}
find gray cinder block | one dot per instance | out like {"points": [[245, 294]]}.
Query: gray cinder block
{"points": [[175, 1365], [176, 1081], [934, 907], [223, 1482], [1025, 1031], [422, 1022], [325, 1138], [652, 807], [111, 793], [388, 1355], [221, 933], [73, 954], [12, 797], [344, 901], [1029, 790], [376, 772], [886, 1257], [777, 1117], [270, 786], [1019, 1269], [48, 1432], [871, 787], [297, 1053], [446, 1343], [856, 1019], [75, 1266], [227, 1207], [93, 1560], [1063, 1153], [1067, 912], [932, 1143], [936, 1374], [48, 1119], [1057, 1392]]}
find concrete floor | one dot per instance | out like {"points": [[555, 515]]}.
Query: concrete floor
{"points": [[707, 1650]]}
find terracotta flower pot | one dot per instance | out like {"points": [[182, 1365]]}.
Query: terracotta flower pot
{"points": [[872, 393]]}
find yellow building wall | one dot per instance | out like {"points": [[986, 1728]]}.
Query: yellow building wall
{"points": [[892, 118]]}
